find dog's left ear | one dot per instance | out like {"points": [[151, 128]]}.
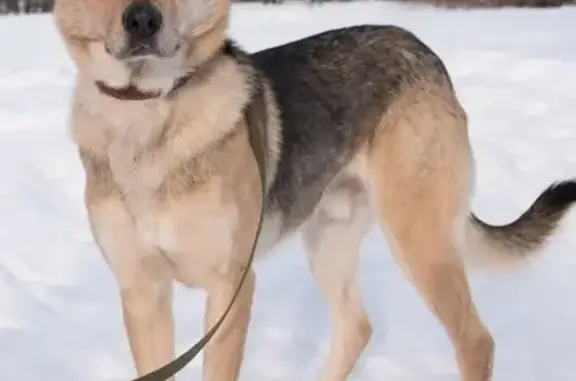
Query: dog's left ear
{"points": [[207, 29]]}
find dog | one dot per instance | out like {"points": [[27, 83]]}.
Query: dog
{"points": [[362, 125]]}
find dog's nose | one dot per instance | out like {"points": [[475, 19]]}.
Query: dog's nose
{"points": [[142, 20]]}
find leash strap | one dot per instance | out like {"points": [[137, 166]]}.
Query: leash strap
{"points": [[254, 113]]}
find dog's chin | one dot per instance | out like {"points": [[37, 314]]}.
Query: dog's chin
{"points": [[145, 52]]}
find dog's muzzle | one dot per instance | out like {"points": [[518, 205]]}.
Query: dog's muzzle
{"points": [[142, 21]]}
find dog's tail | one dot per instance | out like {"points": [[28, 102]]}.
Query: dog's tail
{"points": [[521, 239]]}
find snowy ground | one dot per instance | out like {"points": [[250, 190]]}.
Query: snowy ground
{"points": [[59, 315]]}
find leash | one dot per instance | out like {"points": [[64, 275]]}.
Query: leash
{"points": [[254, 115]]}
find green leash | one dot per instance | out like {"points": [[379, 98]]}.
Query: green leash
{"points": [[254, 115]]}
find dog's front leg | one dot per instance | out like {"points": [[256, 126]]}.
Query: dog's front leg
{"points": [[147, 311], [223, 355], [144, 284]]}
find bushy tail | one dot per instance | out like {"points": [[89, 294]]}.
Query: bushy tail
{"points": [[524, 237]]}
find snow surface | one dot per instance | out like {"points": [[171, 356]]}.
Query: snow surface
{"points": [[515, 71]]}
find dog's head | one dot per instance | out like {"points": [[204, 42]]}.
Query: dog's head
{"points": [[149, 44]]}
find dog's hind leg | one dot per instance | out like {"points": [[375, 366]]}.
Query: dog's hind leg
{"points": [[332, 238], [420, 165]]}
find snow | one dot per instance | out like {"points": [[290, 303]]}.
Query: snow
{"points": [[515, 71]]}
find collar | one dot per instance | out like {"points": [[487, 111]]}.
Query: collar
{"points": [[132, 93]]}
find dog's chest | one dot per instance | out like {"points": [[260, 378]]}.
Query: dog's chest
{"points": [[198, 226], [183, 225], [149, 148], [130, 131], [137, 173]]}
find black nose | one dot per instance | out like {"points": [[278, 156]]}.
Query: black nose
{"points": [[142, 20]]}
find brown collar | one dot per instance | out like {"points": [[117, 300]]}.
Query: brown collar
{"points": [[132, 93]]}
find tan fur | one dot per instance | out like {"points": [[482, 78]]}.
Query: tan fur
{"points": [[172, 192], [419, 193]]}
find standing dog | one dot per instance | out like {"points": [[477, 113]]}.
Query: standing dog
{"points": [[359, 119]]}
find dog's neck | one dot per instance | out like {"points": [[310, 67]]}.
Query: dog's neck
{"points": [[132, 93]]}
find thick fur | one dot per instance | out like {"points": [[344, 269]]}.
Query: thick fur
{"points": [[363, 125]]}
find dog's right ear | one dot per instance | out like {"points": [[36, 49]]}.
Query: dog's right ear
{"points": [[81, 23], [81, 18], [68, 16]]}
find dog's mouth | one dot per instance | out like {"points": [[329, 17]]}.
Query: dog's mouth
{"points": [[141, 51]]}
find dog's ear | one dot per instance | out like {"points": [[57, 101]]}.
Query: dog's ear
{"points": [[85, 18], [206, 28], [80, 22]]}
